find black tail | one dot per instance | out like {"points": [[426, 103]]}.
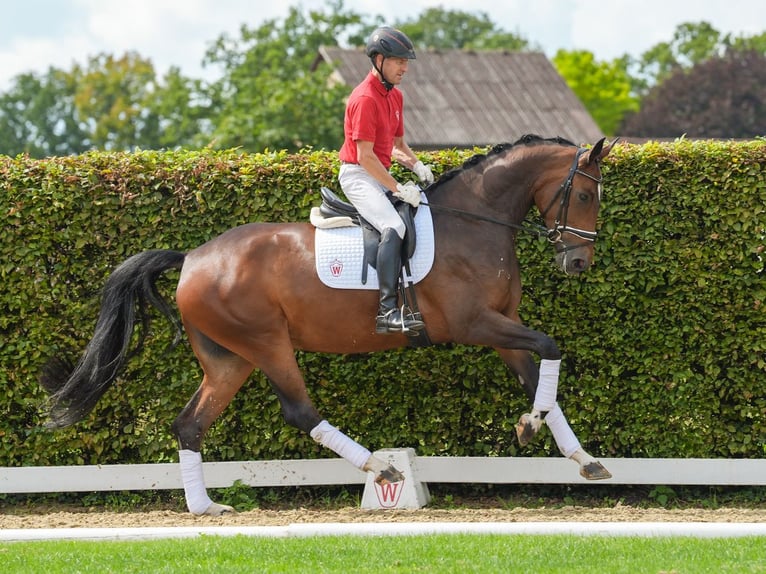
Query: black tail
{"points": [[74, 392]]}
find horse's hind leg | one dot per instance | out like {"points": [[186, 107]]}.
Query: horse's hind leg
{"points": [[524, 367], [224, 374], [281, 368]]}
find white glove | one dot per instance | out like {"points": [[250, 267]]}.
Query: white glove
{"points": [[408, 192], [423, 172]]}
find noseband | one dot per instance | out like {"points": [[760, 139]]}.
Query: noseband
{"points": [[555, 233]]}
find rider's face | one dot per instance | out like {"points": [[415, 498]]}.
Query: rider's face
{"points": [[394, 69]]}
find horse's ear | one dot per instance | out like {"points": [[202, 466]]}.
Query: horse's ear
{"points": [[595, 152], [598, 151]]}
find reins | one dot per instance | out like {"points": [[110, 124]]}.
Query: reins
{"points": [[554, 234], [527, 226]]}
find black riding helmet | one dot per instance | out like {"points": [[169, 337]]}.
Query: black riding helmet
{"points": [[390, 43]]}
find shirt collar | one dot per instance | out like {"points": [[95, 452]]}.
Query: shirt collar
{"points": [[378, 85]]}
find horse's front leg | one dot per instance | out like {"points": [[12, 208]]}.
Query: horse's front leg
{"points": [[522, 364], [541, 386], [346, 447], [299, 411]]}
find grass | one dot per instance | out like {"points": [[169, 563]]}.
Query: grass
{"points": [[438, 553]]}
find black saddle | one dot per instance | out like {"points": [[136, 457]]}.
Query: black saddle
{"points": [[334, 206]]}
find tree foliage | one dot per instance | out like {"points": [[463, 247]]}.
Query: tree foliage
{"points": [[692, 44], [38, 116], [440, 29], [270, 95], [110, 104], [604, 88], [722, 97]]}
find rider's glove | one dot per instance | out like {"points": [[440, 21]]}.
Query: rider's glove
{"points": [[408, 192], [423, 172]]}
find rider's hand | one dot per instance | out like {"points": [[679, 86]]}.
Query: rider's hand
{"points": [[408, 192], [423, 172]]}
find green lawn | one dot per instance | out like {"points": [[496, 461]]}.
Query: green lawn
{"points": [[459, 553]]}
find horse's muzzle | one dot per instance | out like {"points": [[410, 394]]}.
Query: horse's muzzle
{"points": [[574, 260]]}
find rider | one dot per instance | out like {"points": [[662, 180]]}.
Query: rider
{"points": [[374, 133]]}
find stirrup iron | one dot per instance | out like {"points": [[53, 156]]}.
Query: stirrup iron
{"points": [[407, 322]]}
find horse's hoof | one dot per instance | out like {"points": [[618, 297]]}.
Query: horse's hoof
{"points": [[216, 509], [594, 471], [525, 431], [389, 475]]}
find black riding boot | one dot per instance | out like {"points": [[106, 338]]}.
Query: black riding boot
{"points": [[389, 268]]}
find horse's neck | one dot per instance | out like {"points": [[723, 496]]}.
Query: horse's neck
{"points": [[493, 206], [503, 190]]}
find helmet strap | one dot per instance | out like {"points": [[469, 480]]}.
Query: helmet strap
{"points": [[386, 84]]}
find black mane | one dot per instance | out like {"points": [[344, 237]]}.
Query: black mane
{"points": [[526, 140]]}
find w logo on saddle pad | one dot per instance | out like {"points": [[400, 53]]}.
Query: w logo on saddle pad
{"points": [[339, 254]]}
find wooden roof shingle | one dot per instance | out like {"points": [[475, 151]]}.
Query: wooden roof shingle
{"points": [[457, 98]]}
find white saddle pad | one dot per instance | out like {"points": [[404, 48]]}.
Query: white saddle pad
{"points": [[340, 254]]}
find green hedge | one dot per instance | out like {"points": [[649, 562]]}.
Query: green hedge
{"points": [[664, 339]]}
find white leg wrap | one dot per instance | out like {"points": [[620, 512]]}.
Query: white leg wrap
{"points": [[194, 483], [562, 433], [547, 385], [327, 435]]}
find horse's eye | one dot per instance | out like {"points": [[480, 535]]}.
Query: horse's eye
{"points": [[584, 197]]}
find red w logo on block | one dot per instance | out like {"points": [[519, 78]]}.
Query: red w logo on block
{"points": [[389, 493]]}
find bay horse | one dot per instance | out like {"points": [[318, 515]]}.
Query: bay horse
{"points": [[247, 300]]}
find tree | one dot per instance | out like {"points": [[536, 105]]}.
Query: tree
{"points": [[269, 97], [746, 43], [722, 97], [113, 103], [38, 117], [692, 44], [178, 113], [110, 101], [439, 29], [124, 105], [604, 88]]}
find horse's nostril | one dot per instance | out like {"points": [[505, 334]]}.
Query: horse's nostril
{"points": [[579, 265]]}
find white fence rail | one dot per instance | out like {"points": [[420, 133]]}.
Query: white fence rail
{"points": [[274, 473]]}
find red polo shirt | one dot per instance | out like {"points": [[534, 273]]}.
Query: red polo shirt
{"points": [[374, 115]]}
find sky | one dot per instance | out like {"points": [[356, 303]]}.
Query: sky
{"points": [[38, 34]]}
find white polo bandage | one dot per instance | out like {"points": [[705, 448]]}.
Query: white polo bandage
{"points": [[194, 482], [562, 433], [327, 435], [547, 385]]}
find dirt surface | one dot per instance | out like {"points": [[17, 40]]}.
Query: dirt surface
{"points": [[54, 517]]}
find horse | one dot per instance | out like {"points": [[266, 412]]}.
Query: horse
{"points": [[247, 301]]}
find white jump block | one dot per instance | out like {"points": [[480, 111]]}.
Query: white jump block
{"points": [[408, 493]]}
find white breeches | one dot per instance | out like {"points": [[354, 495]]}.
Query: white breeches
{"points": [[369, 198]]}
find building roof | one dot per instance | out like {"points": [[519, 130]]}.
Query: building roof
{"points": [[456, 98]]}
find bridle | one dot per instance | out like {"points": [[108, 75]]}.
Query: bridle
{"points": [[553, 234]]}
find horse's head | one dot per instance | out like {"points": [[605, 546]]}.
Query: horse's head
{"points": [[569, 205]]}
